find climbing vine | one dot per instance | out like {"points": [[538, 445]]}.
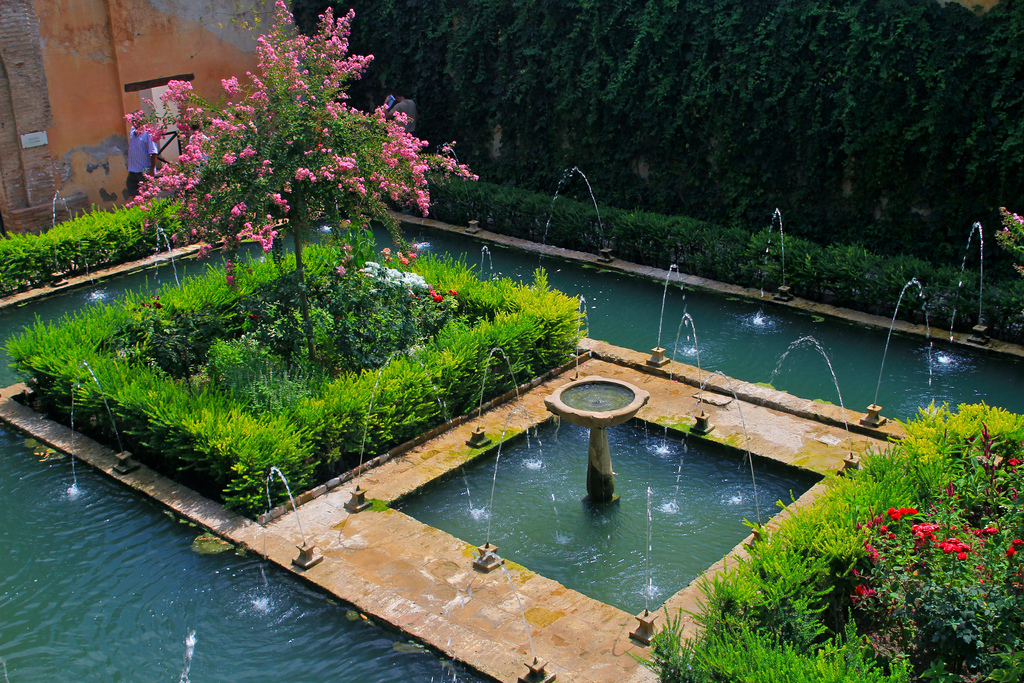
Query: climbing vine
{"points": [[891, 123]]}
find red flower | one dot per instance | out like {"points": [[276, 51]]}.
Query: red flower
{"points": [[961, 556], [453, 292], [895, 514], [1013, 462], [1017, 542], [438, 298], [990, 530], [1010, 552]]}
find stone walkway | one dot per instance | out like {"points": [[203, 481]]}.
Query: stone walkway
{"points": [[420, 579]]}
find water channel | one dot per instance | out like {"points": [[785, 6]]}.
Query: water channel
{"points": [[745, 338], [105, 585]]}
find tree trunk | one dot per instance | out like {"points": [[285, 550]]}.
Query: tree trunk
{"points": [[299, 220]]}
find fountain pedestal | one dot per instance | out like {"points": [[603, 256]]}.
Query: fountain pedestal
{"points": [[536, 673], [358, 502], [598, 403], [487, 559], [658, 357], [308, 557], [125, 463], [783, 293], [873, 419], [600, 478], [645, 628]]}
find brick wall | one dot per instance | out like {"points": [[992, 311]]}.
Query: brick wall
{"points": [[26, 175]]}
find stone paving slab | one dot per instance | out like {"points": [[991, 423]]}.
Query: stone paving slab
{"points": [[420, 579]]}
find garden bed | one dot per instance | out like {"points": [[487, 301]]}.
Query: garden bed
{"points": [[906, 569], [211, 383]]}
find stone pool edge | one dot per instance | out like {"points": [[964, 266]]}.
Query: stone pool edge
{"points": [[491, 638]]}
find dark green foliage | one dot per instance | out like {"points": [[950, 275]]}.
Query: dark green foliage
{"points": [[844, 275], [890, 123], [95, 240], [747, 656]]}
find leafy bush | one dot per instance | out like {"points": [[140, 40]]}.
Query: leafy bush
{"points": [[919, 551], [94, 240]]}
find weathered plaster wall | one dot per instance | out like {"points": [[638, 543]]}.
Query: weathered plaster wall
{"points": [[90, 49]]}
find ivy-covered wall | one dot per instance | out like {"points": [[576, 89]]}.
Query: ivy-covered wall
{"points": [[895, 123]]}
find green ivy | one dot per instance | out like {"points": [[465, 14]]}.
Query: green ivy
{"points": [[831, 111]]}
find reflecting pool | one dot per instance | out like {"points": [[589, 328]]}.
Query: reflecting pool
{"points": [[701, 494]]}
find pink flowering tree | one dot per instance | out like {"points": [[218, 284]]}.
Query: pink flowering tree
{"points": [[286, 147], [1011, 237]]}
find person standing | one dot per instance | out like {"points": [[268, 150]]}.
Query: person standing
{"points": [[142, 151], [397, 103]]}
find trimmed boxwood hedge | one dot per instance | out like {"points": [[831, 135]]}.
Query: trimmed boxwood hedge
{"points": [[845, 275], [98, 239], [196, 432]]}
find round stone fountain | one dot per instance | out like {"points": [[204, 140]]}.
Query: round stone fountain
{"points": [[598, 403]]}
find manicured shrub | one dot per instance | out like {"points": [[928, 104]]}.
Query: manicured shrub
{"points": [[198, 389], [95, 240]]}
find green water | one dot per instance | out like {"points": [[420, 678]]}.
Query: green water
{"points": [[597, 397], [700, 497], [99, 584]]}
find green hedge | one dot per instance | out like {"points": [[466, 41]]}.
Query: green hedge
{"points": [[799, 598], [192, 430], [95, 240], [843, 275]]}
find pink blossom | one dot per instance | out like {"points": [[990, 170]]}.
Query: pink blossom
{"points": [[230, 86]]}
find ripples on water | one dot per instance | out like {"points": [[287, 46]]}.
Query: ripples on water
{"points": [[541, 521], [104, 586]]}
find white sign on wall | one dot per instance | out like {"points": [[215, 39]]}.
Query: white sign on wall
{"points": [[37, 139]]}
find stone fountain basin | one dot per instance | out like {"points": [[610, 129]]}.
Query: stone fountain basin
{"points": [[616, 402]]}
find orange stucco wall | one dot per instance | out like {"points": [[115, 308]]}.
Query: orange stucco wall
{"points": [[92, 48]]}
